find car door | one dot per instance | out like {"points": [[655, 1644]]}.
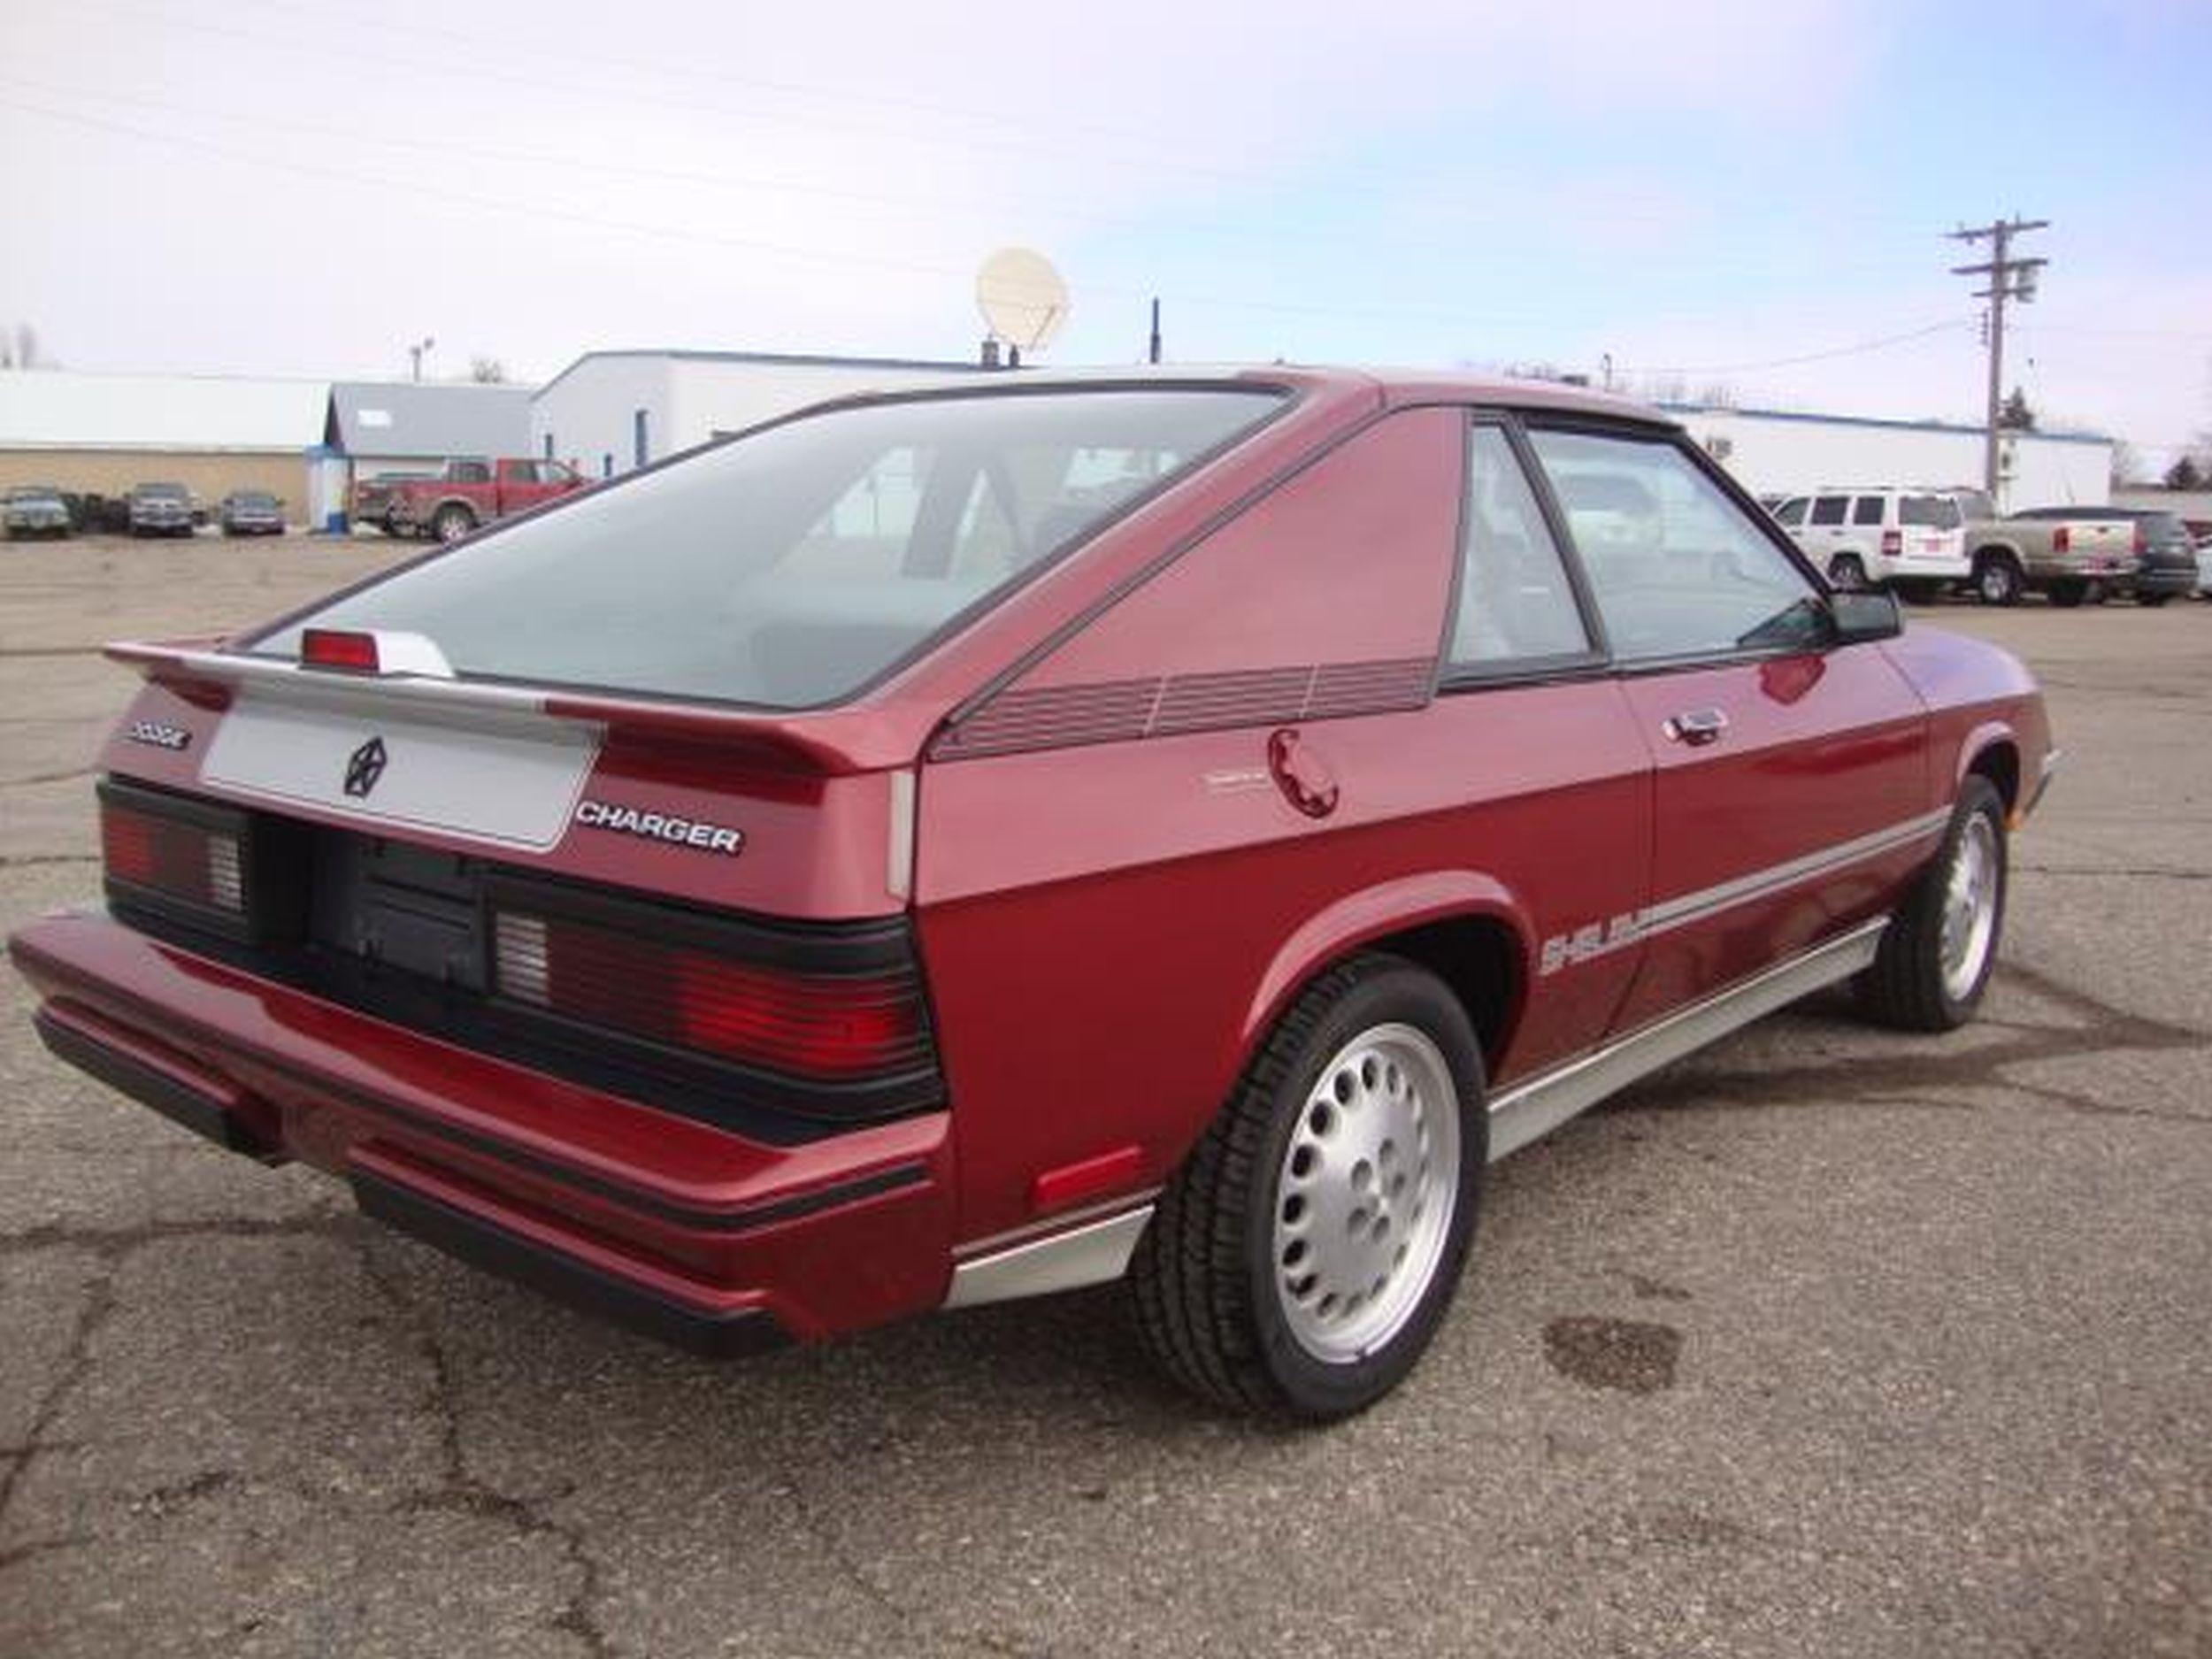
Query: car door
{"points": [[1556, 784], [1790, 782]]}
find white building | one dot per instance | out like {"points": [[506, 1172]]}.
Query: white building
{"points": [[610, 411], [1777, 453]]}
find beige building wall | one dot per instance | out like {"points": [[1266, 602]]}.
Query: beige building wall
{"points": [[211, 473]]}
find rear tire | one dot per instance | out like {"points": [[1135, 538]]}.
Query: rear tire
{"points": [[1997, 579], [2153, 601], [1937, 953], [452, 522], [1304, 1255], [1846, 571]]}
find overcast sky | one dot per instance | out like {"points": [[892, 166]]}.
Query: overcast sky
{"points": [[1753, 196]]}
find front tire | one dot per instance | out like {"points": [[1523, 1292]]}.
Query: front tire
{"points": [[1940, 949], [1302, 1259]]}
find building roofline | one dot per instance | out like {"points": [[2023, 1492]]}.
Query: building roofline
{"points": [[771, 360], [1878, 421]]}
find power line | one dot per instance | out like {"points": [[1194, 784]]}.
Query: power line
{"points": [[1881, 343]]}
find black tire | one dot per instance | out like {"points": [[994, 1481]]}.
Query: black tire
{"points": [[1846, 571], [452, 522], [1909, 985], [2152, 600], [2068, 593], [1206, 1281], [1997, 579]]}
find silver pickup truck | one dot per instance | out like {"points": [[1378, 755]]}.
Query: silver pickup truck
{"points": [[2061, 552]]}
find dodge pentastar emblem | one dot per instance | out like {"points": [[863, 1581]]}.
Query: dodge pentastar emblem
{"points": [[363, 767]]}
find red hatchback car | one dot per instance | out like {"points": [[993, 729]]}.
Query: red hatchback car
{"points": [[954, 845]]}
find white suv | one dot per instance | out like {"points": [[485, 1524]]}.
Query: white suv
{"points": [[1912, 539]]}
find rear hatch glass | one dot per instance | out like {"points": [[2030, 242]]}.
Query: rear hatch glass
{"points": [[790, 566], [1928, 512]]}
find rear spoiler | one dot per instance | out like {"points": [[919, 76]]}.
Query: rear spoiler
{"points": [[834, 743]]}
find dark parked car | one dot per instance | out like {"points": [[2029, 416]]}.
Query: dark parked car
{"points": [[160, 509], [2164, 553], [252, 512], [35, 510], [949, 847]]}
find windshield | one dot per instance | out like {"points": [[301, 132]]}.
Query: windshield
{"points": [[1928, 512], [790, 567], [252, 498], [159, 492]]}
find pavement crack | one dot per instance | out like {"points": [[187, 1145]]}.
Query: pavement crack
{"points": [[31, 861], [462, 1492], [32, 1551], [99, 1306], [37, 778], [113, 1242]]}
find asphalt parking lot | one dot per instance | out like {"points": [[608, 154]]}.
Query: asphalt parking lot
{"points": [[1827, 1341]]}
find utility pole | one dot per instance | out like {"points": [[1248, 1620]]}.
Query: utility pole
{"points": [[2008, 279], [414, 354]]}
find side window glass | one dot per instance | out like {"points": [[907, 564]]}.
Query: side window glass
{"points": [[1791, 512], [1867, 510], [1678, 569], [1829, 509], [1514, 602]]}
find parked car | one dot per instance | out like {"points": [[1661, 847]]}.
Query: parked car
{"points": [[868, 865], [2165, 553], [1913, 540], [372, 502], [35, 510], [252, 512], [2069, 553], [466, 496], [160, 509]]}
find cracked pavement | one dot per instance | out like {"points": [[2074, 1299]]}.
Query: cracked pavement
{"points": [[1828, 1339]]}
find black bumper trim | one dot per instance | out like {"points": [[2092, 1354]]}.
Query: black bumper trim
{"points": [[486, 1245], [152, 1087]]}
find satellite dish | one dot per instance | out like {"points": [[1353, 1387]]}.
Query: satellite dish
{"points": [[1023, 299]]}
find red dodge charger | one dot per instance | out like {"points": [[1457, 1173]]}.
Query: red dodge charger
{"points": [[958, 845]]}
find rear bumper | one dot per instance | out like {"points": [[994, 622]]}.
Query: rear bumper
{"points": [[686, 1231], [2166, 578]]}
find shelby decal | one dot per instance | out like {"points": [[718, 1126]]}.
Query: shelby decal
{"points": [[1565, 949], [157, 734], [680, 832]]}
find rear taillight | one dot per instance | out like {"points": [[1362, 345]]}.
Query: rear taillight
{"points": [[189, 858], [2142, 541], [717, 989], [2062, 539], [1892, 543]]}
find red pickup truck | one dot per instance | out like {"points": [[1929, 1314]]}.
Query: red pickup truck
{"points": [[467, 495]]}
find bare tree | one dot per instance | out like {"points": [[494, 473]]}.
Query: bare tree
{"points": [[2127, 465], [488, 371]]}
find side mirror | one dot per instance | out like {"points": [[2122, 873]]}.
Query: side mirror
{"points": [[1865, 614]]}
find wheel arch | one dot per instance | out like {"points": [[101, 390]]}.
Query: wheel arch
{"points": [[1990, 750], [1465, 927]]}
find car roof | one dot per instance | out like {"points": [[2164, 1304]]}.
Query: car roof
{"points": [[1393, 387]]}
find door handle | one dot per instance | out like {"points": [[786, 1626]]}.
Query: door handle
{"points": [[1696, 726]]}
